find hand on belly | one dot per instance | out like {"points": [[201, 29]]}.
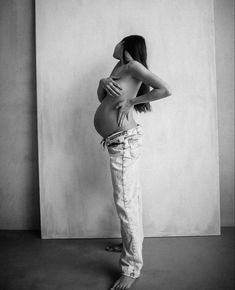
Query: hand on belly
{"points": [[106, 119]]}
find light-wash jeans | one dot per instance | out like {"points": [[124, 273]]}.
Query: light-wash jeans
{"points": [[124, 149]]}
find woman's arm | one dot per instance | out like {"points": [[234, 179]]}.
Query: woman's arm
{"points": [[161, 88], [108, 84], [101, 92], [140, 72]]}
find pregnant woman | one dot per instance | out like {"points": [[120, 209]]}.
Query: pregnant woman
{"points": [[127, 89]]}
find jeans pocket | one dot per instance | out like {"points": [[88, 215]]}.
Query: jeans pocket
{"points": [[114, 144], [115, 148], [135, 143]]}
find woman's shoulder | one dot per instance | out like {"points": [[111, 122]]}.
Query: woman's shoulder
{"points": [[135, 68], [134, 65]]}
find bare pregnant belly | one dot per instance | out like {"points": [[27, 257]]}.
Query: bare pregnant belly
{"points": [[105, 119]]}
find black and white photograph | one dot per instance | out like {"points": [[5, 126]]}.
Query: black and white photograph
{"points": [[117, 145]]}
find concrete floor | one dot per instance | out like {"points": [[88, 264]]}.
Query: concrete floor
{"points": [[179, 263]]}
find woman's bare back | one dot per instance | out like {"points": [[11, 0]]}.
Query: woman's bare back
{"points": [[106, 116]]}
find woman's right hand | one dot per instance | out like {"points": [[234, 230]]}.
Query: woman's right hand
{"points": [[111, 87]]}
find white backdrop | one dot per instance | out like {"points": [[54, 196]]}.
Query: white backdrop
{"points": [[180, 165]]}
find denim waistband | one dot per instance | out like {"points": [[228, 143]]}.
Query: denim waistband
{"points": [[107, 140]]}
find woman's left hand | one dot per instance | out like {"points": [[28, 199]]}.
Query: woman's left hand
{"points": [[124, 107]]}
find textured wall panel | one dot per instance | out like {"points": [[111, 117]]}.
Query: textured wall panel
{"points": [[179, 171]]}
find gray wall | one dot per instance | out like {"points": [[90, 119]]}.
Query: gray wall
{"points": [[19, 206], [19, 200]]}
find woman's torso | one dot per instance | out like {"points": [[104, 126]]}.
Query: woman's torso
{"points": [[105, 119]]}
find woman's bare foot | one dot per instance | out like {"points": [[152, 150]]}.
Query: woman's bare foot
{"points": [[114, 248], [123, 283]]}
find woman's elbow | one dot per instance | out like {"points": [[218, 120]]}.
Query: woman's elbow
{"points": [[168, 91]]}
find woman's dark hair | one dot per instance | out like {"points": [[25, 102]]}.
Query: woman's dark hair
{"points": [[135, 45]]}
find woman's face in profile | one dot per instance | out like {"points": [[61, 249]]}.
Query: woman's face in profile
{"points": [[118, 50]]}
